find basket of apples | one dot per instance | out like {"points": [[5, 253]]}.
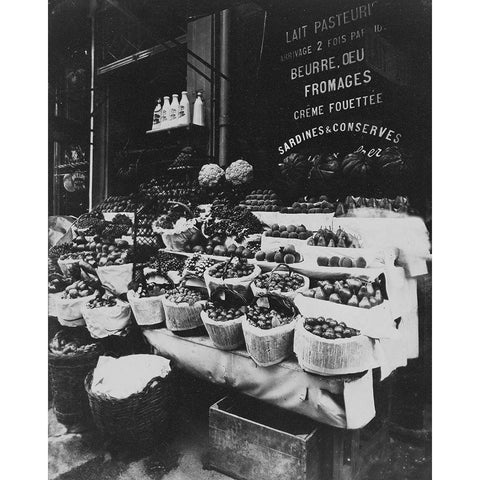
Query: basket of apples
{"points": [[285, 283], [359, 301], [106, 315], [183, 306], [236, 274], [268, 329], [223, 316], [69, 304], [325, 346], [145, 298]]}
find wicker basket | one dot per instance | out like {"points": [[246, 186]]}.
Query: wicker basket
{"points": [[137, 420], [67, 374], [224, 335]]}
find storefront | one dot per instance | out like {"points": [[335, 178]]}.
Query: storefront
{"points": [[251, 193]]}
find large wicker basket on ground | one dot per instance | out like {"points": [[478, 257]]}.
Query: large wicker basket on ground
{"points": [[137, 420], [67, 375]]}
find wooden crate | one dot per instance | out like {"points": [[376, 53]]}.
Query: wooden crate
{"points": [[251, 440]]}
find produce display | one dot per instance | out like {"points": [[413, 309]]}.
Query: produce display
{"points": [[183, 294], [166, 262], [356, 166], [102, 301], [103, 252], [326, 237], [122, 219], [229, 220], [57, 251], [329, 328], [239, 172], [151, 290], [320, 204], [280, 282], [263, 201], [221, 313], [339, 261], [288, 231], [126, 203], [235, 269], [399, 204], [294, 169], [267, 318], [57, 282], [91, 225], [172, 190], [352, 291], [286, 254], [187, 158], [66, 344], [197, 264], [81, 288]]}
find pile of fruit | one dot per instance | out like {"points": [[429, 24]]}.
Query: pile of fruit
{"points": [[286, 254], [144, 225], [399, 204], [66, 344], [151, 290], [197, 264], [81, 288], [344, 262], [166, 262], [90, 225], [103, 252], [102, 301], [279, 282], [266, 318], [125, 203], [288, 231], [237, 268], [229, 220], [262, 201], [185, 295], [169, 190], [57, 282], [187, 158], [320, 204], [220, 313], [122, 219], [326, 237], [329, 328], [352, 291], [57, 251]]}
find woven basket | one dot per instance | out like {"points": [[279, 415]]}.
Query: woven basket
{"points": [[148, 311], [67, 374], [137, 420], [257, 291], [269, 347], [224, 335], [182, 316]]}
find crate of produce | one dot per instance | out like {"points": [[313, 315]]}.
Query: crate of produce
{"points": [[360, 302], [250, 440]]}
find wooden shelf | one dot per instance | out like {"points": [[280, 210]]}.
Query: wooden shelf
{"points": [[183, 129]]}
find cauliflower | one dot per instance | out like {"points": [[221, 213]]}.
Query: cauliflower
{"points": [[239, 172], [210, 175]]}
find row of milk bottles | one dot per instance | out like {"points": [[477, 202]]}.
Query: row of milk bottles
{"points": [[177, 114]]}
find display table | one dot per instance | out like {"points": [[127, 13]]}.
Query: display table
{"points": [[343, 401]]}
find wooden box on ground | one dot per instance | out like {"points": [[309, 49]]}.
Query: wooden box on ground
{"points": [[251, 440]]}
